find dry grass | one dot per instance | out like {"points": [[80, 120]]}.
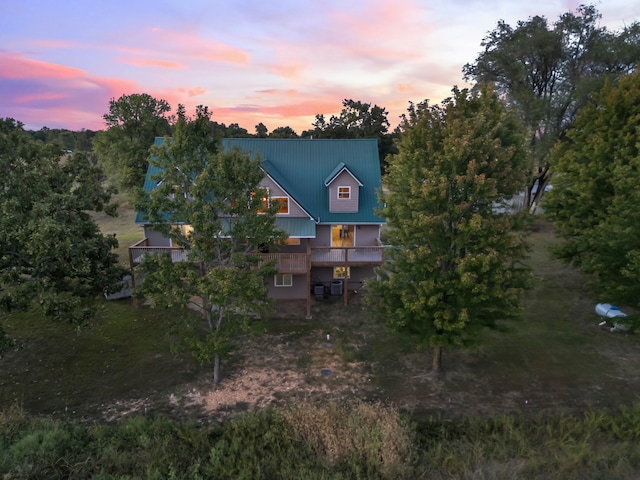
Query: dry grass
{"points": [[338, 431]]}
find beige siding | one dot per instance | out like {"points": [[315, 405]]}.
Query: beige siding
{"points": [[367, 235], [323, 236], [345, 179], [156, 239], [276, 191], [296, 292]]}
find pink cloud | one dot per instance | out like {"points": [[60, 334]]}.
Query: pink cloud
{"points": [[142, 62], [278, 91], [206, 49], [57, 96], [192, 92], [14, 66], [34, 97], [288, 71]]}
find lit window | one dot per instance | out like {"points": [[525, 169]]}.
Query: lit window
{"points": [[344, 193], [283, 280], [283, 203], [265, 199], [341, 272]]}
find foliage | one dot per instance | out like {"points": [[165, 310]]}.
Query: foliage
{"points": [[594, 202], [548, 74], [210, 204], [132, 123], [356, 120], [454, 262], [283, 132], [268, 444], [67, 139], [52, 253], [261, 130]]}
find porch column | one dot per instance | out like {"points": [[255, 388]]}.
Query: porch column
{"points": [[308, 262], [345, 285], [132, 268]]}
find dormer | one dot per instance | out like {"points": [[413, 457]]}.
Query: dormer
{"points": [[343, 188]]}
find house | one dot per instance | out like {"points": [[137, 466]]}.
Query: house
{"points": [[327, 190]]}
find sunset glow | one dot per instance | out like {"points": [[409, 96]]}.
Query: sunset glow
{"points": [[279, 63]]}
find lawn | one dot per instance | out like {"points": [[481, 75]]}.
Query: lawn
{"points": [[556, 359]]}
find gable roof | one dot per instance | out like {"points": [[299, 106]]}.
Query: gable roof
{"points": [[341, 167], [302, 166]]}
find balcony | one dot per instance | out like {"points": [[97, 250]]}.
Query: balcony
{"points": [[295, 263], [348, 256], [139, 250]]}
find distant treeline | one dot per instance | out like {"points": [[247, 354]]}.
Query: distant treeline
{"points": [[67, 139]]}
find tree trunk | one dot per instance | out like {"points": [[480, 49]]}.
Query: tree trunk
{"points": [[216, 369], [437, 361]]}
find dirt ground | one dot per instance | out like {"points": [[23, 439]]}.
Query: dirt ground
{"points": [[301, 363]]}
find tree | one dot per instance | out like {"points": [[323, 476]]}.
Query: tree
{"points": [[283, 132], [133, 123], [548, 74], [52, 253], [210, 204], [261, 130], [595, 197], [356, 120], [454, 262]]}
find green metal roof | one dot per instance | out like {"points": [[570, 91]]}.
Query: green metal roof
{"points": [[337, 171], [301, 166], [297, 227]]}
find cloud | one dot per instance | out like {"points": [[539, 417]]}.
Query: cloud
{"points": [[57, 96], [15, 66], [198, 47], [149, 62]]}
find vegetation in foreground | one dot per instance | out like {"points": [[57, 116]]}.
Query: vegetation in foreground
{"points": [[325, 442]]}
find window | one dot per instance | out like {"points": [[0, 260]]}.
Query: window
{"points": [[283, 202], [341, 272], [265, 199], [344, 193], [283, 280]]}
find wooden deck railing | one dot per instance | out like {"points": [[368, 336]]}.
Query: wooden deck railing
{"points": [[139, 250], [285, 262], [354, 256]]}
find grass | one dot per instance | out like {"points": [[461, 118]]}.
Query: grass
{"points": [[127, 232], [63, 370], [554, 397], [328, 441]]}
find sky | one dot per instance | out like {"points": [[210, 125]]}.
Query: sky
{"points": [[273, 62]]}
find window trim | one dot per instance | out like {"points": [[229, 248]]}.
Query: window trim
{"points": [[280, 198], [344, 192], [347, 272], [282, 282]]}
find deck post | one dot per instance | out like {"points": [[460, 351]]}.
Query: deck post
{"points": [[345, 286], [308, 263]]}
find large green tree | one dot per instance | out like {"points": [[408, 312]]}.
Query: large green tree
{"points": [[595, 199], [548, 73], [356, 120], [52, 253], [133, 123], [453, 265], [283, 132], [209, 202]]}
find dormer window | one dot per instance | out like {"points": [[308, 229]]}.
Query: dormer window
{"points": [[343, 189], [344, 193], [283, 203]]}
